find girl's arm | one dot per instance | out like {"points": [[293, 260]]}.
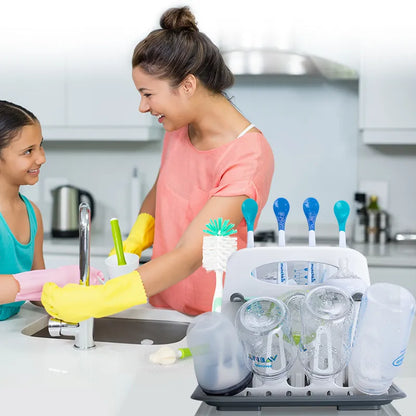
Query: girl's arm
{"points": [[38, 260], [9, 287], [168, 269]]}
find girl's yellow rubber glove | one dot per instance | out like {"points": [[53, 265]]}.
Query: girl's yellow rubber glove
{"points": [[141, 235], [75, 303]]}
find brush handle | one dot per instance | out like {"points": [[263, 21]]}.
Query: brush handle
{"points": [[217, 300], [281, 238], [311, 209], [312, 238], [118, 242], [342, 239], [183, 353], [311, 267], [250, 239]]}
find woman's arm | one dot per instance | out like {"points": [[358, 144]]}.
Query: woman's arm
{"points": [[149, 202], [74, 303], [168, 269]]}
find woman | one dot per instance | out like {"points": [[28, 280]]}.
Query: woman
{"points": [[213, 159]]}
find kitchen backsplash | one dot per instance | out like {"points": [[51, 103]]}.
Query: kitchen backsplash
{"points": [[312, 126]]}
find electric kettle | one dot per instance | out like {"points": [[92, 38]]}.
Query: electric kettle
{"points": [[65, 210]]}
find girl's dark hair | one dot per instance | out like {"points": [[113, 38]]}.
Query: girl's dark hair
{"points": [[179, 49], [12, 118]]}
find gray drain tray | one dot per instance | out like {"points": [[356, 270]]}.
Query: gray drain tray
{"points": [[358, 401]]}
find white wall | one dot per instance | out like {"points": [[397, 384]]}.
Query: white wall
{"points": [[396, 166], [311, 125]]}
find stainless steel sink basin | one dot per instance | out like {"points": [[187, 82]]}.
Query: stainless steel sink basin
{"points": [[123, 330]]}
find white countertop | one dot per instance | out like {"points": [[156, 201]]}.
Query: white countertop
{"points": [[392, 254], [49, 377]]}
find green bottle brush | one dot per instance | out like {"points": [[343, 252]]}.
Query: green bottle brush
{"points": [[118, 242]]}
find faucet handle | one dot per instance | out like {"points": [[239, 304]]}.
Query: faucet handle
{"points": [[84, 243], [57, 327]]}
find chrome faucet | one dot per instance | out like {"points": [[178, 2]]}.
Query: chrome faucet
{"points": [[82, 331]]}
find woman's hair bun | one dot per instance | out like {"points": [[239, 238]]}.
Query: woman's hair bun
{"points": [[178, 18]]}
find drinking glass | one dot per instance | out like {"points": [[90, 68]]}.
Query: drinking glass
{"points": [[383, 330], [326, 337], [263, 325], [114, 270]]}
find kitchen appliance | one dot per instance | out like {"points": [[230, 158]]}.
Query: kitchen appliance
{"points": [[65, 210], [275, 61]]}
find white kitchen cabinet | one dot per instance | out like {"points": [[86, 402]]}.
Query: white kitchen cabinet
{"points": [[32, 72], [387, 88], [102, 101], [78, 84]]}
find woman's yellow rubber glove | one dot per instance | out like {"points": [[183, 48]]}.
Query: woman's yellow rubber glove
{"points": [[75, 303], [141, 235]]}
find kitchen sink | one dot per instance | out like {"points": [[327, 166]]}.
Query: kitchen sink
{"points": [[122, 330]]}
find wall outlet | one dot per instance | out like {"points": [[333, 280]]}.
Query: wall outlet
{"points": [[52, 183]]}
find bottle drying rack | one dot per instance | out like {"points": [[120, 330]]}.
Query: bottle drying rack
{"points": [[251, 273]]}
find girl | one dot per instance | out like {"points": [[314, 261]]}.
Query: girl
{"points": [[213, 159], [21, 229]]}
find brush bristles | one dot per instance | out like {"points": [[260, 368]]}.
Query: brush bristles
{"points": [[216, 250]]}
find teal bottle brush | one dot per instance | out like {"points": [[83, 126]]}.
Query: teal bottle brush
{"points": [[249, 208], [342, 211], [216, 249]]}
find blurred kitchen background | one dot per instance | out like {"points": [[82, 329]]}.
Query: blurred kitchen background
{"points": [[69, 63]]}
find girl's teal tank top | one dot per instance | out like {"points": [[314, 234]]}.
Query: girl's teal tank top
{"points": [[16, 257]]}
